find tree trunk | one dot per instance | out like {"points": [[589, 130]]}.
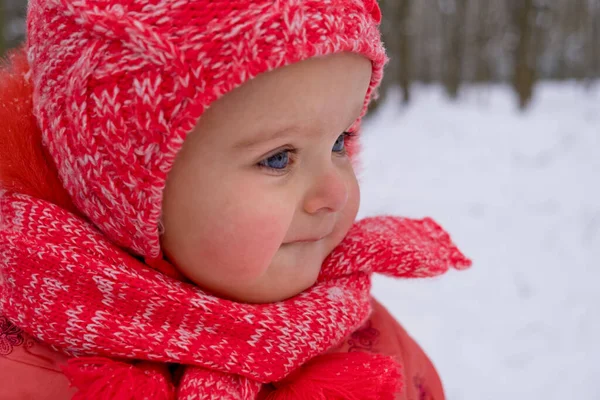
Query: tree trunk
{"points": [[455, 48], [483, 70], [2, 28], [404, 50], [596, 40], [525, 69], [593, 42]]}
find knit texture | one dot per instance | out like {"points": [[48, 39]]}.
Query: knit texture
{"points": [[120, 83], [67, 285]]}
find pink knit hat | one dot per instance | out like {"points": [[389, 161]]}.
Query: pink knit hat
{"points": [[120, 83]]}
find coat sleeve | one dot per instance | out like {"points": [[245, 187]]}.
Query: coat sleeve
{"points": [[382, 334], [28, 368]]}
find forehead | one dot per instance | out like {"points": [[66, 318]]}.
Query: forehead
{"points": [[323, 92]]}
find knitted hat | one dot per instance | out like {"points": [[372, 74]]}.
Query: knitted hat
{"points": [[118, 84]]}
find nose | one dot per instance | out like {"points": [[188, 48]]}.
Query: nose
{"points": [[328, 192]]}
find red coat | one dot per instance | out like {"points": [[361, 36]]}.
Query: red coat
{"points": [[31, 370]]}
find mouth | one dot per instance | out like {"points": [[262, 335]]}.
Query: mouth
{"points": [[311, 240]]}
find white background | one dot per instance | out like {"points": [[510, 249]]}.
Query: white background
{"points": [[520, 195]]}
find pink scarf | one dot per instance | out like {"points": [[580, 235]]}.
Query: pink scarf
{"points": [[64, 283]]}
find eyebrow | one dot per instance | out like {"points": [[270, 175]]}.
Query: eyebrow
{"points": [[265, 137], [280, 132]]}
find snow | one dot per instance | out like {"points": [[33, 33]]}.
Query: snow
{"points": [[520, 195]]}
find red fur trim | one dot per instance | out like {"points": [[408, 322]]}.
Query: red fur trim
{"points": [[25, 165]]}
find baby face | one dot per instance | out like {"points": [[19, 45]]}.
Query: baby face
{"points": [[263, 190]]}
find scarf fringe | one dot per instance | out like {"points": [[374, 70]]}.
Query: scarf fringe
{"points": [[204, 384], [99, 378], [342, 376]]}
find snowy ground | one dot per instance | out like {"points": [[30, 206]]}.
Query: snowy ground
{"points": [[520, 194]]}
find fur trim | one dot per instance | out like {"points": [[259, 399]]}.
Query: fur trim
{"points": [[25, 166]]}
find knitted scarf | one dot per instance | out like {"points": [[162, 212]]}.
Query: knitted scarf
{"points": [[66, 285]]}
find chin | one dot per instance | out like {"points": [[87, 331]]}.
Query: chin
{"points": [[291, 271], [272, 291], [264, 298]]}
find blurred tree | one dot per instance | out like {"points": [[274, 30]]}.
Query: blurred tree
{"points": [[2, 25], [454, 12], [524, 74], [594, 54], [483, 69], [426, 37], [592, 40], [12, 23], [397, 37], [576, 39], [404, 48]]}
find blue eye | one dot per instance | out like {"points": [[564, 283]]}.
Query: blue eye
{"points": [[278, 161], [340, 143]]}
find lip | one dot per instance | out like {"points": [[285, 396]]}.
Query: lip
{"points": [[308, 240]]}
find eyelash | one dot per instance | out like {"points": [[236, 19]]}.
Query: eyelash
{"points": [[293, 153], [349, 135]]}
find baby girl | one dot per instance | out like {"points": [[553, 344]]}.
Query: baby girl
{"points": [[178, 204]]}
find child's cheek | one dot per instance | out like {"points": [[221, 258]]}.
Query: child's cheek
{"points": [[250, 236], [348, 215]]}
